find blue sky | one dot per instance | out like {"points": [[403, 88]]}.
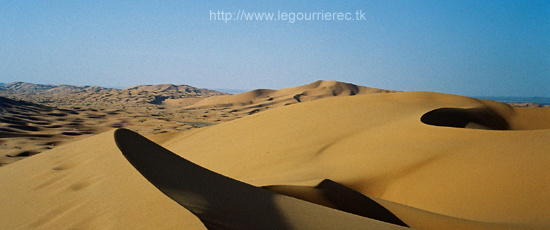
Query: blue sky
{"points": [[489, 48]]}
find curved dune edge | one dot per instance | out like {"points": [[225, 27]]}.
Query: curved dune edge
{"points": [[223, 203], [374, 144], [331, 194]]}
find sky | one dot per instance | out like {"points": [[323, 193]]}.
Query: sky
{"points": [[465, 47]]}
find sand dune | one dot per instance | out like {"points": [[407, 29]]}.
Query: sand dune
{"points": [[27, 129], [267, 97], [435, 161], [248, 103], [377, 144]]}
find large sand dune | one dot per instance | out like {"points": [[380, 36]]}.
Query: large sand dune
{"points": [[435, 161], [268, 97], [228, 107]]}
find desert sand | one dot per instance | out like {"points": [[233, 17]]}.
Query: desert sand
{"points": [[434, 161], [36, 118]]}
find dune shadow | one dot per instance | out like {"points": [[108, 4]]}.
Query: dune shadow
{"points": [[218, 201], [12, 134], [221, 202], [335, 195], [477, 118]]}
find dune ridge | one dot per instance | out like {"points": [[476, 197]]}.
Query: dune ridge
{"points": [[248, 103], [287, 96]]}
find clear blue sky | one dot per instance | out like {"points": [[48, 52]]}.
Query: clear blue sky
{"points": [[479, 47]]}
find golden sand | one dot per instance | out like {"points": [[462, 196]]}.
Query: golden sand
{"points": [[474, 165]]}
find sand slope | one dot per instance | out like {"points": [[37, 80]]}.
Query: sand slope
{"points": [[431, 176], [27, 129]]}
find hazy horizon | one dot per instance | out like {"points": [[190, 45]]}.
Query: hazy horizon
{"points": [[459, 47], [502, 98]]}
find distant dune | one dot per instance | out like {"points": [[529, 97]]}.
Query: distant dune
{"points": [[263, 99], [315, 90], [23, 87], [95, 96], [27, 129]]}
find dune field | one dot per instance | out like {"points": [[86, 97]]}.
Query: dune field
{"points": [[36, 118], [327, 155]]}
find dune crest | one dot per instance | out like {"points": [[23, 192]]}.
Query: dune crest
{"points": [[268, 97]]}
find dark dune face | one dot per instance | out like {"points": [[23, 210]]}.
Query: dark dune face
{"points": [[221, 202], [480, 118], [186, 183], [335, 195]]}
